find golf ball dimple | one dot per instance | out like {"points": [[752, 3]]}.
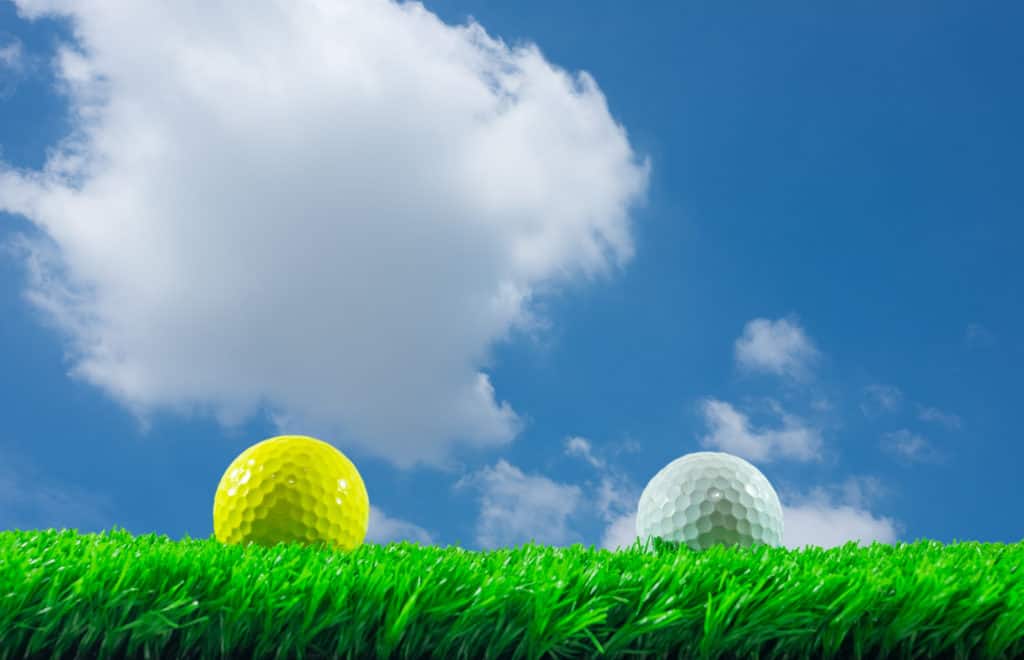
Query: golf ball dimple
{"points": [[291, 488], [710, 498]]}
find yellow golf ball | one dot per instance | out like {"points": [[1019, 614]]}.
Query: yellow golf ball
{"points": [[291, 488]]}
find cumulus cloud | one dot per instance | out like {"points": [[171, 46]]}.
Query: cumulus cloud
{"points": [[777, 347], [949, 420], [832, 517], [731, 431], [517, 508], [823, 517], [327, 212], [382, 529], [832, 526], [881, 398], [621, 533]]}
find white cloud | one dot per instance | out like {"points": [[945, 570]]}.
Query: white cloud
{"points": [[825, 517], [14, 65], [881, 398], [616, 502], [516, 507], [817, 519], [949, 420], [813, 518], [857, 491], [11, 55], [621, 533], [732, 432], [778, 347], [905, 442], [627, 446], [910, 446], [828, 527], [331, 210], [577, 446], [383, 529], [616, 495]]}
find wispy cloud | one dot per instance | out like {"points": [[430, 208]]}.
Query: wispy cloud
{"points": [[731, 431], [815, 518], [30, 499], [910, 446], [577, 446], [778, 347], [10, 54], [383, 529], [295, 237], [516, 507], [881, 398], [616, 496], [948, 420], [822, 405], [978, 336], [14, 65], [824, 516], [858, 492]]}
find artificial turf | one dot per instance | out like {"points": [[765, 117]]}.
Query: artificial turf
{"points": [[115, 595]]}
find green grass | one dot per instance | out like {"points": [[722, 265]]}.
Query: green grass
{"points": [[65, 595]]}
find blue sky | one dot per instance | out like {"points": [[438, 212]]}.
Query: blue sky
{"points": [[512, 267]]}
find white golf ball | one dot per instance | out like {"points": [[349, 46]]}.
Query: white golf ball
{"points": [[708, 498]]}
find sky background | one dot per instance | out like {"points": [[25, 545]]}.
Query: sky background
{"points": [[513, 258]]}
